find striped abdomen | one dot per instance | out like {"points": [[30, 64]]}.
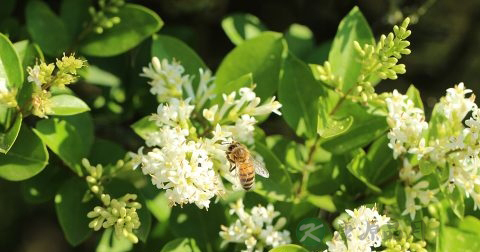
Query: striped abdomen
{"points": [[246, 174]]}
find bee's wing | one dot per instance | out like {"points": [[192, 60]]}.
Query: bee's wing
{"points": [[259, 168]]}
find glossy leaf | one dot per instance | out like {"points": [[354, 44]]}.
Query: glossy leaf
{"points": [[29, 53], [27, 157], [278, 186], [343, 57], [74, 14], [7, 138], [70, 137], [10, 65], [298, 93], [144, 126], [111, 243], [137, 24], [43, 187], [262, 56], [240, 27], [289, 248], [181, 245], [72, 211], [67, 105], [41, 21], [414, 95], [106, 152], [190, 221], [300, 40]]}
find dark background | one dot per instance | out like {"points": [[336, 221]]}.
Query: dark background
{"points": [[445, 50]]}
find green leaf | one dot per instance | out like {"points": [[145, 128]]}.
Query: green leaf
{"points": [[69, 137], [359, 168], [367, 127], [289, 248], [67, 105], [414, 95], [455, 240], [343, 57], [262, 56], [7, 138], [181, 245], [144, 126], [170, 48], [330, 125], [234, 85], [426, 167], [240, 27], [42, 187], [98, 76], [457, 202], [299, 92], [190, 221], [278, 186], [334, 127], [74, 14], [300, 40], [137, 23], [111, 243], [27, 157], [319, 54], [10, 65], [72, 211], [324, 202], [118, 188], [382, 166], [29, 54], [41, 21], [106, 152]]}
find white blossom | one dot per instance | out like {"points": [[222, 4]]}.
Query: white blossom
{"points": [[34, 75], [255, 229], [186, 156], [407, 124], [362, 231]]}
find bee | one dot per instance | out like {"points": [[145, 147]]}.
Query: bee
{"points": [[241, 159]]}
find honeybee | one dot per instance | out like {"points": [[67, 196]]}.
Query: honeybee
{"points": [[241, 159]]}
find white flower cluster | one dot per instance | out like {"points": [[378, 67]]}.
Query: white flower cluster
{"points": [[255, 229], [454, 146], [407, 125], [187, 156], [362, 231], [415, 188]]}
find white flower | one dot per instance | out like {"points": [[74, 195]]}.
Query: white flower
{"points": [[362, 231], [209, 114], [243, 129], [34, 75], [407, 125], [421, 150], [255, 229], [167, 79], [455, 105]]}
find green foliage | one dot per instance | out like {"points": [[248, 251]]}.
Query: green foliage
{"points": [[27, 157], [70, 138], [180, 245], [67, 105], [72, 211], [289, 248], [299, 92], [262, 56], [343, 56], [241, 27], [137, 24], [41, 21]]}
